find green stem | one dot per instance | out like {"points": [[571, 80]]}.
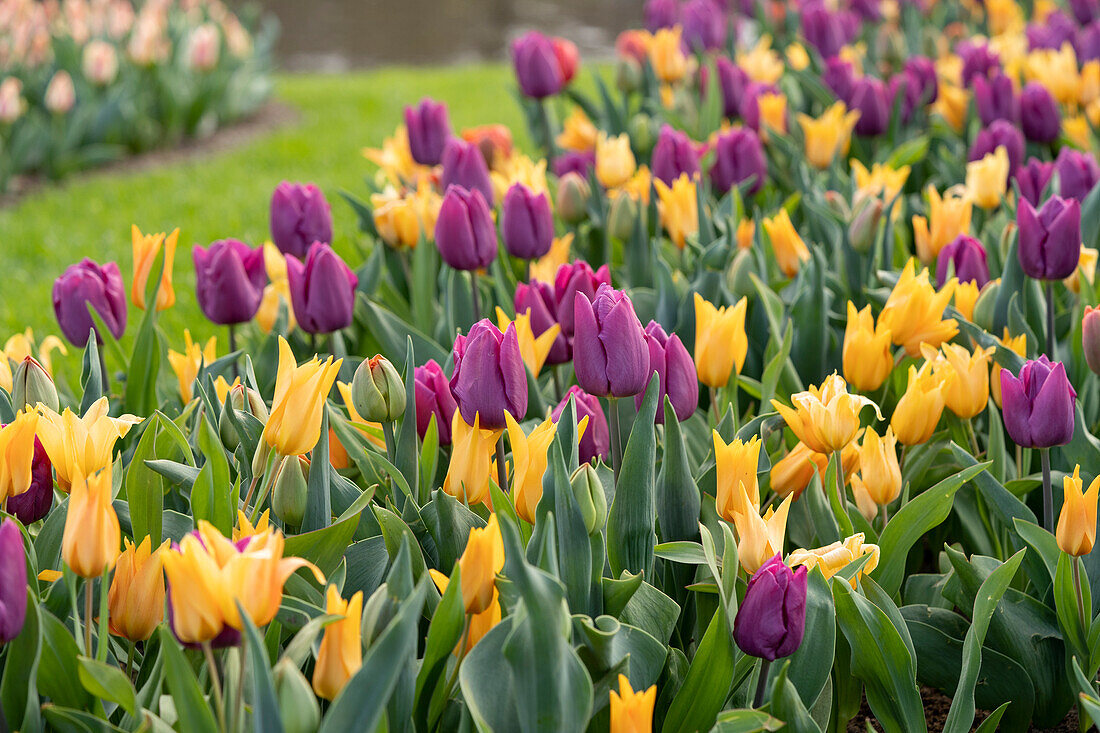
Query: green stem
{"points": [[216, 684], [1048, 496], [762, 683], [475, 296], [88, 586], [1050, 319], [130, 661], [969, 423], [1076, 565], [616, 448]]}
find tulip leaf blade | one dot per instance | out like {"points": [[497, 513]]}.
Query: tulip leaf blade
{"points": [[677, 496], [18, 705], [192, 708], [1065, 605], [407, 449], [630, 520], [91, 375], [787, 702], [144, 487], [141, 380], [107, 682], [707, 683], [444, 634], [265, 707], [808, 675], [318, 514]]}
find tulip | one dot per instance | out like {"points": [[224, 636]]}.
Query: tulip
{"points": [[839, 76], [299, 710], [964, 376], [434, 399], [1039, 404], [867, 357], [12, 104], [738, 159], [99, 62], [881, 180], [1032, 179], [986, 178], [772, 617], [868, 97], [1076, 532], [194, 584], [300, 216], [792, 473], [666, 55], [1050, 239], [996, 99], [878, 465], [533, 349], [705, 25], [790, 250], [720, 341], [537, 65], [379, 393], [479, 565], [464, 167], [18, 446], [92, 535], [610, 354], [146, 248], [825, 418], [661, 14], [732, 80], [1078, 173], [229, 280], [595, 442], [428, 129], [1039, 115], [136, 597], [34, 503], [737, 488], [966, 256], [526, 223], [464, 233], [767, 110], [678, 209], [187, 365], [979, 59], [1018, 344], [294, 426], [13, 581], [243, 401], [81, 446], [1085, 11], [573, 194], [341, 652], [1090, 338], [60, 93], [489, 376], [578, 133], [675, 154], [920, 72], [468, 474], [632, 712], [676, 370], [833, 558], [760, 538], [322, 290], [829, 135], [948, 217], [914, 312], [615, 162], [953, 105], [529, 464], [919, 409], [999, 134]]}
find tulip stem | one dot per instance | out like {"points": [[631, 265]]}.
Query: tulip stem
{"points": [[762, 683], [885, 512], [1076, 565], [1048, 497], [502, 468], [1050, 320], [616, 448], [88, 587], [130, 661], [475, 296], [251, 490], [969, 423], [215, 683], [233, 347], [557, 382]]}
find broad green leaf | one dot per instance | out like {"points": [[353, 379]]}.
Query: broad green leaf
{"points": [[630, 520], [107, 682], [708, 681], [194, 712]]}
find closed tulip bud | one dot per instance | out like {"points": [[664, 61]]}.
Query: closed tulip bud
{"points": [[622, 216], [341, 652], [869, 97], [229, 280], [630, 711], [34, 503], [705, 25], [1077, 172], [482, 559], [595, 441], [628, 75], [1000, 133], [1038, 406], [434, 398], [1032, 179], [867, 357], [294, 426], [985, 306], [790, 251], [737, 489], [91, 540], [470, 471], [537, 65], [1050, 239], [1090, 338], [464, 232], [661, 14], [136, 597], [1076, 532], [833, 558], [772, 617], [322, 290], [379, 393], [13, 581], [464, 166], [1039, 115], [489, 376], [572, 278], [572, 199], [863, 228], [298, 707], [428, 129], [60, 93], [288, 496], [919, 409], [31, 385], [996, 99], [721, 344], [966, 256], [828, 136], [526, 222], [242, 400], [87, 285], [676, 371], [737, 276], [674, 155], [878, 466], [588, 491], [300, 216], [825, 418], [640, 130], [738, 158], [610, 354]]}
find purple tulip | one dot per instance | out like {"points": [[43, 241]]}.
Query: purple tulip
{"points": [[1039, 116], [839, 76], [1052, 33], [464, 232], [1087, 42], [1077, 172], [229, 280], [526, 222], [661, 14], [676, 370], [538, 298], [1000, 134], [572, 278], [738, 157], [433, 397], [1038, 405], [705, 25], [429, 129], [823, 29], [322, 290], [869, 96], [1085, 11], [464, 165], [909, 88], [596, 441], [867, 9], [673, 155], [87, 285], [921, 72], [996, 99], [574, 161], [1049, 240], [772, 618], [1032, 178], [489, 377], [750, 109], [13, 581], [978, 60], [34, 503], [967, 255], [733, 80], [610, 354], [300, 216], [537, 66]]}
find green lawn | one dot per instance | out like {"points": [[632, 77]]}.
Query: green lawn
{"points": [[226, 194]]}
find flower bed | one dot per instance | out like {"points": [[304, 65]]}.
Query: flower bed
{"points": [[850, 454]]}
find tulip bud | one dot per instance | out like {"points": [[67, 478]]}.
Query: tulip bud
{"points": [[288, 497], [610, 355], [864, 224], [13, 589], [676, 372], [527, 224], [464, 166], [588, 491], [738, 157], [298, 706], [464, 232], [628, 75], [489, 377], [1077, 172], [1038, 406], [572, 200], [985, 307], [1076, 532], [1039, 115], [772, 617], [433, 397], [377, 390], [300, 216], [242, 400], [539, 67], [596, 441], [1090, 338], [32, 384], [999, 134], [87, 285], [428, 129], [1049, 239], [640, 128], [674, 155], [621, 218], [322, 290], [738, 278]]}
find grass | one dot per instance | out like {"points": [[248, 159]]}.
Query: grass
{"points": [[226, 194]]}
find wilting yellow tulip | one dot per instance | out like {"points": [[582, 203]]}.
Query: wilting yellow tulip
{"points": [[92, 535], [17, 455], [882, 179], [760, 538], [737, 489], [146, 249], [667, 56], [81, 445], [761, 62], [470, 470], [632, 712], [773, 113], [187, 364], [986, 179], [479, 624], [914, 311], [1076, 532], [829, 135], [948, 217], [1019, 345], [1085, 265], [825, 418], [341, 652], [482, 559], [720, 341], [952, 103], [578, 133], [533, 349], [964, 375], [867, 358], [791, 474], [678, 209], [790, 250], [294, 425], [878, 466], [136, 598], [528, 464], [833, 558], [919, 409], [546, 267], [614, 160]]}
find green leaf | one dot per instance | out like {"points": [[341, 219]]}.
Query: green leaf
{"points": [[318, 487], [265, 707], [192, 708], [708, 681], [788, 704], [18, 696], [144, 487], [57, 668], [107, 682], [1065, 604], [91, 375], [690, 553], [323, 547], [407, 458], [677, 497], [630, 521], [807, 673], [746, 721], [444, 634]]}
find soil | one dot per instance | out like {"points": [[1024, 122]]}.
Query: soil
{"points": [[271, 116], [936, 706]]}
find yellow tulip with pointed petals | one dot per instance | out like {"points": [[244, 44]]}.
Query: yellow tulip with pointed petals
{"points": [[81, 445], [790, 250], [721, 343], [1076, 532], [879, 470], [919, 409], [987, 179], [914, 311], [187, 364], [614, 160], [1019, 345], [479, 565], [533, 349], [294, 425], [678, 208], [667, 56], [738, 489], [529, 464], [760, 538], [341, 652], [146, 248], [867, 357], [948, 217], [829, 135], [578, 133], [965, 377], [546, 267], [773, 113], [952, 104], [470, 469], [825, 418], [136, 597], [833, 558], [632, 712], [90, 543], [17, 454], [882, 179], [479, 624]]}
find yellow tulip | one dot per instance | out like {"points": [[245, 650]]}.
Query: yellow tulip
{"points": [[914, 311], [479, 565], [136, 597], [829, 135], [746, 231], [919, 409], [1076, 532], [395, 160], [1086, 265], [614, 160], [761, 62], [879, 471], [529, 464], [678, 209], [948, 217], [17, 455], [470, 470], [245, 528], [578, 133], [478, 624], [791, 474], [1076, 130], [867, 357], [882, 179], [835, 557], [637, 186], [964, 375], [965, 298], [760, 538], [738, 489], [92, 535], [825, 418], [1019, 345], [21, 345], [81, 445], [1090, 82], [720, 341], [546, 267], [276, 295], [194, 577], [517, 168], [790, 250], [797, 57], [1057, 70], [341, 652], [222, 388], [667, 56], [294, 425], [773, 113], [146, 248], [401, 219], [533, 349], [986, 179], [1004, 16], [632, 712], [187, 364], [952, 103]]}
